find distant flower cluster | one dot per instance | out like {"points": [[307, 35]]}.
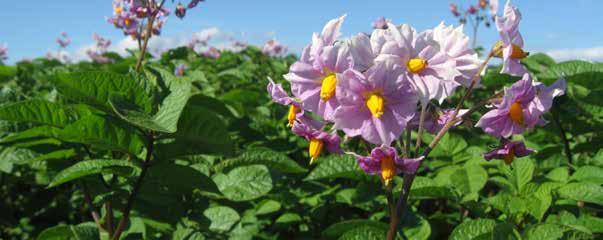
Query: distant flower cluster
{"points": [[274, 48], [484, 10], [377, 86], [133, 16], [101, 46], [63, 40]]}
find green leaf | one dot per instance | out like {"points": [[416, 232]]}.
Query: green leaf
{"points": [[415, 227], [363, 233], [7, 73], [580, 72], [522, 171], [336, 166], [537, 63], [179, 179], [200, 131], [505, 231], [583, 191], [473, 229], [544, 232], [244, 183], [469, 179], [35, 132], [104, 132], [38, 111], [83, 231], [288, 219], [182, 233], [210, 103], [267, 206], [96, 88], [450, 145], [222, 218], [590, 174], [559, 174], [338, 229], [89, 167], [427, 188], [59, 154], [266, 156]]}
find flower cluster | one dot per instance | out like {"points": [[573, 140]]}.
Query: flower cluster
{"points": [[133, 16], [101, 46], [377, 86], [63, 40], [476, 13], [274, 48]]}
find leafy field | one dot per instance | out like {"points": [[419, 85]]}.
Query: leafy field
{"points": [[224, 164]]}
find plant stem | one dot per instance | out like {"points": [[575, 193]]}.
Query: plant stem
{"points": [[566, 143], [126, 212], [93, 211], [109, 217], [145, 43], [407, 144], [408, 178], [420, 130]]}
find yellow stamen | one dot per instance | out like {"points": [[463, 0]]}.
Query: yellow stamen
{"points": [[416, 65], [118, 10], [388, 170], [127, 21], [375, 104], [315, 149], [517, 52], [509, 157], [327, 89], [516, 113], [291, 115]]}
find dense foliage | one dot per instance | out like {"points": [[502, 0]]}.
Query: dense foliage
{"points": [[219, 161]]}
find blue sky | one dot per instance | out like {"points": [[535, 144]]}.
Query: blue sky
{"points": [[565, 29]]}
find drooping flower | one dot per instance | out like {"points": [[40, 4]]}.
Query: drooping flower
{"points": [[521, 108], [472, 10], [296, 112], [510, 46], [509, 151], [457, 46], [380, 23], [386, 162], [193, 3], [430, 70], [180, 11], [454, 10], [376, 104], [315, 75], [318, 140]]}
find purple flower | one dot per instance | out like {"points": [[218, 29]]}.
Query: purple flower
{"points": [[521, 108], [454, 10], [274, 48], [101, 42], [193, 3], [493, 5], [472, 9], [180, 11], [98, 58], [3, 52], [211, 52], [430, 70], [318, 140], [380, 23], [510, 48], [180, 70], [376, 104], [296, 112], [454, 43], [64, 40], [314, 77], [508, 151], [386, 162]]}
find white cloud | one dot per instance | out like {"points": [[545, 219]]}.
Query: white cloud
{"points": [[590, 54]]}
